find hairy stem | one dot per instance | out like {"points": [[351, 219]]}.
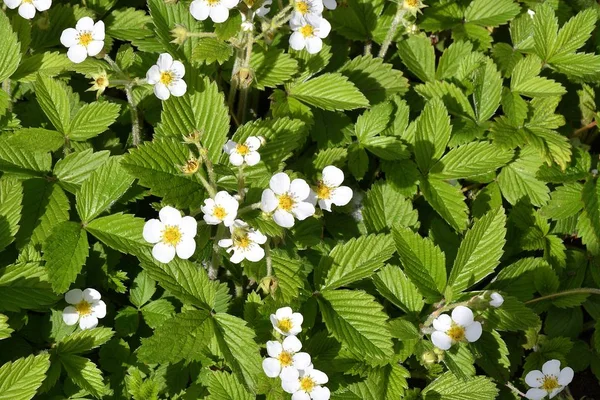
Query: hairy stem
{"points": [[514, 389], [564, 293], [213, 269], [584, 129], [268, 258], [241, 183], [136, 131], [391, 32], [254, 206], [209, 167]]}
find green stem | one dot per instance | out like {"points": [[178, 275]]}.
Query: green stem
{"points": [[254, 206], [211, 191], [391, 32], [213, 269], [209, 167], [564, 293], [515, 390], [136, 131], [268, 258], [241, 183]]}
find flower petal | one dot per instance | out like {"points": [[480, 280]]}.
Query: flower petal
{"points": [[257, 237], [442, 323], [255, 253], [332, 176], [252, 158], [77, 53], [70, 315], [178, 88], [496, 300], [274, 348], [534, 378], [91, 295], [229, 146], [169, 216], [161, 91], [69, 37], [178, 68], [280, 183], [237, 257], [303, 210], [225, 243], [473, 331], [272, 367], [566, 376], [297, 320], [292, 343], [330, 4], [341, 196], [253, 143], [283, 218], [12, 4], [441, 340], [42, 5], [95, 47], [292, 386], [325, 204], [324, 28], [98, 32], [300, 395], [186, 248], [236, 158], [188, 226], [535, 394], [551, 367], [27, 10], [319, 377], [284, 312], [99, 309], [268, 201], [219, 13], [153, 230], [554, 392], [299, 189], [301, 360], [153, 75], [314, 45], [165, 61], [320, 393], [74, 296], [463, 316], [289, 374], [199, 10], [163, 252], [230, 3], [85, 24], [297, 41], [88, 322]]}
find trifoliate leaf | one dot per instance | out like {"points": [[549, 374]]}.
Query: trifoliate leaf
{"points": [[395, 286], [564, 202], [384, 207], [20, 379], [75, 168], [469, 160], [122, 232], [158, 311], [25, 286], [545, 27], [358, 20], [525, 80], [432, 134], [85, 374], [19, 161], [92, 119], [224, 386], [575, 32], [54, 100], [453, 97], [450, 387], [447, 200], [10, 54], [331, 91]]}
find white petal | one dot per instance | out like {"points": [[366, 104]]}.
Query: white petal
{"points": [[219, 13], [178, 68], [42, 5], [77, 53], [442, 323], [12, 4], [237, 257], [283, 218], [186, 248], [161, 91], [153, 230], [325, 204], [319, 377], [314, 45], [255, 253], [99, 309], [535, 394], [324, 28], [291, 386], [299, 189], [554, 392], [463, 316], [274, 348], [441, 340], [199, 10], [188, 226], [225, 243], [85, 24], [566, 376], [178, 88], [252, 158], [211, 219], [88, 322], [222, 197], [289, 374], [95, 47], [268, 201], [301, 360], [303, 210], [163, 252], [473, 331], [74, 296], [312, 198], [280, 183], [165, 61], [236, 158], [257, 237], [297, 41], [292, 343], [229, 146], [300, 395], [330, 4], [27, 10], [341, 196], [551, 367], [253, 143], [230, 3], [272, 367], [98, 32], [284, 312], [169, 216], [320, 393], [534, 378], [496, 300], [68, 37], [91, 295], [153, 75], [332, 176], [297, 320], [70, 315]]}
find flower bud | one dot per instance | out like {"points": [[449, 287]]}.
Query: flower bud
{"points": [[191, 166], [179, 34], [99, 83], [429, 357], [192, 137]]}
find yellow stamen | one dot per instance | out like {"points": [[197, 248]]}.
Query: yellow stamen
{"points": [[85, 38], [166, 78], [191, 166], [307, 31], [220, 212], [286, 202], [83, 308], [307, 384], [323, 191], [285, 325], [550, 383], [28, 1], [242, 241], [456, 333], [213, 2], [285, 359], [411, 3], [171, 235], [242, 149], [302, 7]]}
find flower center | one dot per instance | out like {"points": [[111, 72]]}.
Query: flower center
{"points": [[242, 149], [411, 3], [456, 333], [550, 383], [213, 3], [284, 325], [302, 7], [242, 241], [286, 202], [323, 191], [171, 235], [307, 31], [191, 166], [85, 38], [166, 78], [101, 81], [220, 212], [27, 1], [83, 308], [285, 359], [307, 384]]}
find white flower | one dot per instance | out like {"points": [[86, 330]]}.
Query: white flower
{"points": [[459, 328], [167, 77], [306, 11], [309, 36], [86, 308], [172, 234], [285, 359], [223, 209], [551, 380], [87, 39], [329, 190], [246, 152], [287, 200], [496, 300], [287, 322], [264, 8], [413, 6], [244, 243], [217, 10], [308, 385], [27, 8]]}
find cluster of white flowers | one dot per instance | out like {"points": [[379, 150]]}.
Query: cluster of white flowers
{"points": [[550, 381], [308, 25], [286, 361], [86, 308]]}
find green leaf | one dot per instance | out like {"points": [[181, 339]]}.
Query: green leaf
{"points": [[25, 286], [158, 311], [591, 204], [92, 119], [358, 20], [471, 159], [492, 355], [449, 387], [373, 121], [432, 134], [11, 197], [272, 67], [5, 329], [208, 50], [459, 361], [36, 140], [545, 27], [392, 284], [356, 259], [22, 162], [423, 262], [83, 341], [564, 202], [54, 100], [358, 161], [355, 319], [20, 379], [491, 13], [104, 187], [75, 168], [488, 90], [384, 207], [480, 251], [575, 32], [122, 232], [512, 316], [142, 290], [224, 386], [454, 98], [47, 64], [165, 17], [418, 55], [448, 201], [10, 52], [85, 374], [128, 24], [331, 91], [525, 80], [65, 252], [518, 179], [289, 273]]}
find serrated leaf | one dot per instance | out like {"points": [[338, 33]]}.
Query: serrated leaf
{"points": [[272, 67], [591, 203], [47, 64], [448, 201], [22, 162], [224, 386], [142, 290], [75, 168], [432, 134], [395, 286], [358, 20], [128, 24], [122, 232], [449, 387], [84, 341], [165, 17], [54, 101], [358, 161], [11, 197], [492, 355], [486, 13], [36, 140], [158, 311], [518, 179], [488, 90], [575, 32], [65, 252], [512, 316], [417, 53], [331, 91], [208, 50], [525, 80], [92, 119], [289, 274], [373, 121], [25, 286], [564, 202], [385, 208], [20, 379], [85, 374], [545, 27], [454, 98], [10, 54], [471, 159]]}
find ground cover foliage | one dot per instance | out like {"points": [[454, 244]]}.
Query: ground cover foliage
{"points": [[366, 199]]}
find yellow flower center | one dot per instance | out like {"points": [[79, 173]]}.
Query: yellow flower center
{"points": [[83, 308], [550, 383], [285, 325], [456, 333], [242, 241], [307, 384], [166, 78], [285, 359], [27, 2], [213, 2], [286, 202], [85, 38], [411, 3], [220, 212], [191, 166], [302, 7], [101, 81], [323, 191], [307, 30], [171, 235], [242, 149]]}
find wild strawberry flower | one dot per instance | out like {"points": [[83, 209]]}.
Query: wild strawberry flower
{"points": [[550, 381], [329, 191], [496, 300], [167, 77], [223, 208], [171, 234], [246, 152], [245, 243], [306, 11], [308, 385], [86, 39], [285, 359], [287, 322], [461, 327], [217, 10], [309, 35], [86, 308], [413, 6], [287, 200], [27, 8]]}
